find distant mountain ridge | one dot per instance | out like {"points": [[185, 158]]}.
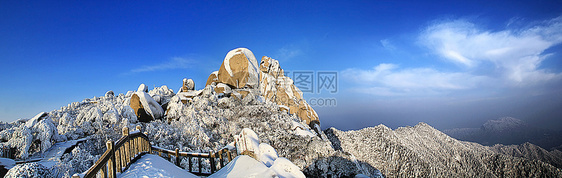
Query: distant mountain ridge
{"points": [[422, 151], [508, 130]]}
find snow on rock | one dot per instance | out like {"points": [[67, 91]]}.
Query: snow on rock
{"points": [[268, 154], [31, 122], [150, 165], [239, 69], [188, 84], [161, 94], [246, 166], [142, 88], [285, 168], [18, 137], [213, 78], [162, 91], [28, 170], [109, 94], [223, 88], [88, 120], [248, 143], [301, 129], [243, 166], [46, 132], [145, 106]]}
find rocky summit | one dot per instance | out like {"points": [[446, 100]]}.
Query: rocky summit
{"points": [[246, 95]]}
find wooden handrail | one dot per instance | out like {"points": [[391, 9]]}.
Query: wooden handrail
{"points": [[211, 156], [132, 145]]}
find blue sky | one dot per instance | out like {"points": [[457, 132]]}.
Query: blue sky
{"points": [[450, 64]]}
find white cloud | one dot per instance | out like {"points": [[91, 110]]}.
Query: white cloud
{"points": [[390, 80], [515, 54], [173, 63]]}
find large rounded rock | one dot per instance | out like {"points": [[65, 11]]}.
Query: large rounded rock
{"points": [[239, 69], [188, 85], [145, 107]]}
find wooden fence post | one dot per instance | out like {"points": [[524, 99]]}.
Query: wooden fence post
{"points": [[221, 159], [228, 155], [177, 157], [137, 142], [117, 160], [148, 146], [102, 171], [199, 158], [126, 154], [212, 161], [189, 163], [112, 168]]}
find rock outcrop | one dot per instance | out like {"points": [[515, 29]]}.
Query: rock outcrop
{"points": [[145, 107], [188, 85], [239, 69], [213, 78], [239, 73], [422, 151], [277, 87]]}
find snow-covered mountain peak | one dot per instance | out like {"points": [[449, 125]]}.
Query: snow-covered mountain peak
{"points": [[503, 124]]}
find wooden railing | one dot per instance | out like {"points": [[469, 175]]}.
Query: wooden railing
{"points": [[131, 146], [212, 157], [8, 152]]}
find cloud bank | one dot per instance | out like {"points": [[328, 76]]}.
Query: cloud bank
{"points": [[506, 58]]}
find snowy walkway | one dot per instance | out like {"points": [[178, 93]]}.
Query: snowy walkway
{"points": [[150, 165], [53, 154]]}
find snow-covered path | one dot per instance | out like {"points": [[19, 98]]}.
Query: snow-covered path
{"points": [[150, 165], [53, 154]]}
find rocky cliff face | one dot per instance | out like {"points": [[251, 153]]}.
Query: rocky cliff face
{"points": [[422, 151], [277, 87]]}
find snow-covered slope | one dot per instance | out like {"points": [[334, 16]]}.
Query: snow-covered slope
{"points": [[207, 122], [422, 151]]}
